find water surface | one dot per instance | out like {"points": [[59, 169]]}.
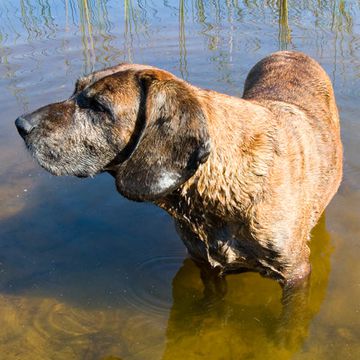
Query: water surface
{"points": [[86, 274]]}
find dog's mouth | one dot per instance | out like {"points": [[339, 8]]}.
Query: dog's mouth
{"points": [[66, 149], [58, 163]]}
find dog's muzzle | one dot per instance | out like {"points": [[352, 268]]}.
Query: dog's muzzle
{"points": [[24, 126]]}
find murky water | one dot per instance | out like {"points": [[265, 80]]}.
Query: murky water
{"points": [[86, 274]]}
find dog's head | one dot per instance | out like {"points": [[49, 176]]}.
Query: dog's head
{"points": [[142, 124]]}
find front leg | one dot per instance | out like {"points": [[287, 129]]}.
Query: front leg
{"points": [[297, 268], [295, 316], [215, 286]]}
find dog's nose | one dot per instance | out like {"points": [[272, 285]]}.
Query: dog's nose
{"points": [[23, 126]]}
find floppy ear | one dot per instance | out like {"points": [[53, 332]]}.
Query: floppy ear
{"points": [[174, 141]]}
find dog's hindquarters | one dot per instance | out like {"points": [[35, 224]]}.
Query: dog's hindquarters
{"points": [[308, 167], [295, 78]]}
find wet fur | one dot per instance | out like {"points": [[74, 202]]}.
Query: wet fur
{"points": [[246, 179]]}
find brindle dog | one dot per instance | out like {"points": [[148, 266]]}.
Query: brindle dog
{"points": [[246, 179]]}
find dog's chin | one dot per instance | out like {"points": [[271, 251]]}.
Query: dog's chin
{"points": [[82, 176], [65, 170], [58, 165]]}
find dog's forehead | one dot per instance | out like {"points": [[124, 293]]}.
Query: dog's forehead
{"points": [[88, 80]]}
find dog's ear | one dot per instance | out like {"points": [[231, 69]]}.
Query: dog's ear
{"points": [[173, 143]]}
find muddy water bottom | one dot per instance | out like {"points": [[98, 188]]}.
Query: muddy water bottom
{"points": [[86, 274], [159, 311]]}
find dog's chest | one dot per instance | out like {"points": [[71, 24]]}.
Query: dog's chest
{"points": [[217, 242], [214, 237]]}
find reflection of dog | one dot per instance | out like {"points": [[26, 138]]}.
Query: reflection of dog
{"points": [[247, 322], [263, 167]]}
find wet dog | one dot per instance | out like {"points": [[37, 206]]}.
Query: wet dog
{"points": [[246, 179]]}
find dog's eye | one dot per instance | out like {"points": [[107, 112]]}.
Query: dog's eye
{"points": [[91, 103], [97, 106]]}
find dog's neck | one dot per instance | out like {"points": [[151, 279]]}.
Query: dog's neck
{"points": [[222, 187]]}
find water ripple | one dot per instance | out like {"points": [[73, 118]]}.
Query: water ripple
{"points": [[149, 284]]}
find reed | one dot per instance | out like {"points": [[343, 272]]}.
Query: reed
{"points": [[218, 20], [182, 41], [284, 29]]}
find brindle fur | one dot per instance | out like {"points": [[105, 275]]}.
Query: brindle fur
{"points": [[246, 179]]}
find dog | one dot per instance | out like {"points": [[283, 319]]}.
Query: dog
{"points": [[245, 179]]}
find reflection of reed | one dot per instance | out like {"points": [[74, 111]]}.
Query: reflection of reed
{"points": [[341, 21], [103, 26], [207, 26], [212, 31], [128, 11], [38, 20], [10, 74], [341, 17], [201, 18], [46, 14], [28, 19], [87, 36], [284, 29], [66, 15], [135, 22], [182, 40]]}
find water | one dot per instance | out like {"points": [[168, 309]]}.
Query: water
{"points": [[86, 274]]}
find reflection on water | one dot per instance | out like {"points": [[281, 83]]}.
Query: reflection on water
{"points": [[284, 29], [246, 324], [85, 274]]}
